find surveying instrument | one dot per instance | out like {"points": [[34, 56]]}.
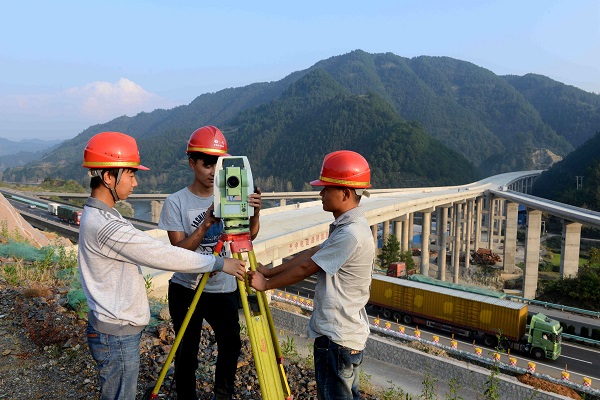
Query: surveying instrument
{"points": [[233, 184]]}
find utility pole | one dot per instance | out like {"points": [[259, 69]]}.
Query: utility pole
{"points": [[579, 182]]}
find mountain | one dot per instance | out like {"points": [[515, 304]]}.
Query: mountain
{"points": [[8, 147], [571, 112], [466, 107], [488, 119], [288, 137], [14, 154], [560, 182]]}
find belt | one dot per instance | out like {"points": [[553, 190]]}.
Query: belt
{"points": [[324, 341]]}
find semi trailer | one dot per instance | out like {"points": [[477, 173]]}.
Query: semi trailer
{"points": [[53, 208], [68, 214], [494, 321]]}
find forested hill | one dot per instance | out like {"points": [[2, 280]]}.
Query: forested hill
{"points": [[571, 112], [468, 109], [559, 182], [287, 138]]}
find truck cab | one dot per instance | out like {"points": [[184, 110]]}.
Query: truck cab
{"points": [[545, 337]]}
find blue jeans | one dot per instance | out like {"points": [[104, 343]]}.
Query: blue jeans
{"points": [[336, 370], [118, 359]]}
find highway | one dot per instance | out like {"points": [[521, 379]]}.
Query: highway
{"points": [[580, 360], [40, 217], [288, 230]]}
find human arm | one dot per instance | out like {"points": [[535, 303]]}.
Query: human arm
{"points": [[255, 200], [288, 273], [234, 267], [299, 259], [193, 241], [118, 240]]}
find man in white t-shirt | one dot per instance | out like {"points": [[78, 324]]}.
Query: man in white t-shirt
{"points": [[188, 219]]}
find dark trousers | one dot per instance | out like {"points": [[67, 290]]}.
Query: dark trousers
{"points": [[337, 370], [220, 310]]}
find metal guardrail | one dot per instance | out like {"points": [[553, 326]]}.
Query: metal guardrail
{"points": [[595, 314], [581, 338]]}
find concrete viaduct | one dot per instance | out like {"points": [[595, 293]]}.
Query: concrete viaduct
{"points": [[478, 215]]}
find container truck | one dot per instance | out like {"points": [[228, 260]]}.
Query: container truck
{"points": [[68, 214], [472, 315], [53, 208]]}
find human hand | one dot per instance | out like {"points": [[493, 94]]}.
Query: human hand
{"points": [[235, 267], [255, 200], [209, 218], [257, 280], [263, 270]]}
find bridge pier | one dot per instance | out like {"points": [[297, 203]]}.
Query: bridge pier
{"points": [[386, 231], [532, 252], [441, 226], [457, 240], [468, 233], [491, 211], [155, 209], [411, 230], [478, 223], [404, 242], [569, 254], [425, 238], [510, 237]]}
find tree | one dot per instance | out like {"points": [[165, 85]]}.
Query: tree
{"points": [[390, 252], [594, 256]]}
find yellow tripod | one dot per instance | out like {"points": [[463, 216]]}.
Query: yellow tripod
{"points": [[266, 351]]}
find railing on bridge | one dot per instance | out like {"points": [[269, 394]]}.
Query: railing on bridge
{"points": [[595, 314]]}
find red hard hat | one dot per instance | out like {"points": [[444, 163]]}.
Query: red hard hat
{"points": [[112, 150], [344, 168], [208, 140]]}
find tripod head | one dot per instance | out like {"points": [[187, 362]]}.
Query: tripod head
{"points": [[232, 186]]}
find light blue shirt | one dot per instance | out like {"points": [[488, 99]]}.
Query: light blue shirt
{"points": [[343, 284]]}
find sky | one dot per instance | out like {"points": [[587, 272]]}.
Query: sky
{"points": [[67, 65]]}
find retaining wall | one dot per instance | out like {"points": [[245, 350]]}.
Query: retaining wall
{"points": [[439, 368]]}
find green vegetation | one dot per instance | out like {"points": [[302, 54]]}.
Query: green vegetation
{"points": [[391, 253], [33, 267], [559, 183], [59, 185], [581, 291]]}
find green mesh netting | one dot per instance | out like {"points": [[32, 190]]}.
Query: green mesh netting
{"points": [[75, 297], [27, 252], [457, 286]]}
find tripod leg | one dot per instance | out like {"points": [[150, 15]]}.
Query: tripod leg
{"points": [[163, 372], [261, 341], [264, 307]]}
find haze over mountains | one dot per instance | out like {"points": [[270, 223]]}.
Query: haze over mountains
{"points": [[419, 121], [18, 153]]}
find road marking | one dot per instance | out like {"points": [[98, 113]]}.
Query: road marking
{"points": [[577, 359]]}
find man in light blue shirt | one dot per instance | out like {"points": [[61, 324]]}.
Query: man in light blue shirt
{"points": [[343, 264]]}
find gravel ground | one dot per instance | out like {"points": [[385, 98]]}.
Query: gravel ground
{"points": [[43, 354]]}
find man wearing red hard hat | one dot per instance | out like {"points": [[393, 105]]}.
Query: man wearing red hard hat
{"points": [[111, 251], [343, 264], [187, 217]]}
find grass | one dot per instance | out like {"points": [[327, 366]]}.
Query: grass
{"points": [[555, 260]]}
